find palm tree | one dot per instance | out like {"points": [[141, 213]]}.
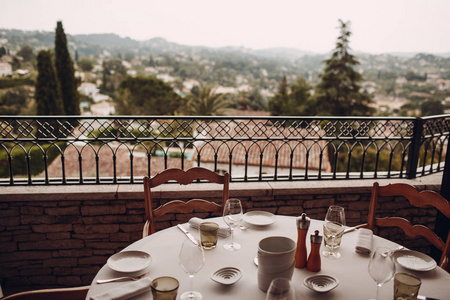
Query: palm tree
{"points": [[205, 102]]}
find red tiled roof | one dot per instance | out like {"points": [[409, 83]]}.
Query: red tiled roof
{"points": [[106, 162]]}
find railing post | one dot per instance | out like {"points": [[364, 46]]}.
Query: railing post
{"points": [[414, 149]]}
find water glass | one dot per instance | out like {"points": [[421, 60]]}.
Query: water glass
{"points": [[333, 229], [165, 288], [208, 235], [406, 286]]}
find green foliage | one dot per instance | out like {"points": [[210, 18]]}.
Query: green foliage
{"points": [[26, 52], [66, 73], [146, 96], [205, 102], [14, 82], [371, 152], [12, 102], [47, 94], [432, 107], [85, 65], [411, 76], [338, 93], [113, 73], [36, 154], [293, 100]]}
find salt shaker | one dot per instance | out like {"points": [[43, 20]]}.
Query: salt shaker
{"points": [[314, 263], [302, 230]]}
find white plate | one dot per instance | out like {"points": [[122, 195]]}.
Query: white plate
{"points": [[414, 260], [129, 261], [227, 276], [259, 218], [321, 283]]}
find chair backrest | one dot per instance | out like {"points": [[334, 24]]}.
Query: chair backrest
{"points": [[72, 293], [184, 178], [417, 199]]}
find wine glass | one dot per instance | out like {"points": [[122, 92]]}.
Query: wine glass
{"points": [[192, 260], [280, 289], [381, 267], [232, 214], [333, 229]]}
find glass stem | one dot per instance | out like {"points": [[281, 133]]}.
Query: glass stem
{"points": [[191, 283], [378, 291], [232, 236], [332, 243]]}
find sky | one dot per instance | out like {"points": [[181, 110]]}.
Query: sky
{"points": [[377, 26]]}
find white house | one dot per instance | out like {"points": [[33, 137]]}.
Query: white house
{"points": [[5, 69]]}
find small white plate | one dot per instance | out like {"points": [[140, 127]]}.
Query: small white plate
{"points": [[415, 261], [129, 261], [321, 283], [259, 218], [227, 276]]}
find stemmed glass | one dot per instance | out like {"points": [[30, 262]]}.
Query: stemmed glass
{"points": [[381, 267], [192, 260], [232, 214], [333, 229], [280, 289]]}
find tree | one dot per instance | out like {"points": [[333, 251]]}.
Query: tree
{"points": [[205, 102], [278, 103], [338, 93], [85, 65], [47, 93], [432, 107], [113, 73], [293, 100], [13, 101], [300, 98], [26, 52], [146, 96], [66, 73]]}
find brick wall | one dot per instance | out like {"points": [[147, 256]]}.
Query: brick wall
{"points": [[61, 236]]}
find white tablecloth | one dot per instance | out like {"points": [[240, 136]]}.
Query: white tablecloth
{"points": [[350, 269]]}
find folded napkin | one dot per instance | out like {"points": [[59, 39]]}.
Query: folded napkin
{"points": [[223, 231], [364, 241], [126, 291]]}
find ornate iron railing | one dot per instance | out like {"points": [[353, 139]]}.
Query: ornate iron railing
{"points": [[124, 149]]}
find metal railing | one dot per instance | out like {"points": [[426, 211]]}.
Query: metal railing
{"points": [[123, 149]]}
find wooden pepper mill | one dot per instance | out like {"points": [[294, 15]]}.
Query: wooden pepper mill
{"points": [[314, 263], [302, 230]]}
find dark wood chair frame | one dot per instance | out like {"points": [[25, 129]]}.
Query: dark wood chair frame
{"points": [[418, 199], [183, 178], [70, 293]]}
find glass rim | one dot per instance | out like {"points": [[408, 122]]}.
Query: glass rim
{"points": [[166, 277], [404, 274]]}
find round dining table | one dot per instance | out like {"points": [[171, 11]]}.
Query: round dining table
{"points": [[351, 269]]}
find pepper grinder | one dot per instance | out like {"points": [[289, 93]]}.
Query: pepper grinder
{"points": [[314, 263], [302, 230]]}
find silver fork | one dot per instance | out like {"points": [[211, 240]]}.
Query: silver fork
{"points": [[100, 281]]}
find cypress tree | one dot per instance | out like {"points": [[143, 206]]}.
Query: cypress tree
{"points": [[66, 73], [47, 93]]}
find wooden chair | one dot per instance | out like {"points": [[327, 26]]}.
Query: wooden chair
{"points": [[72, 293], [417, 199], [184, 178]]}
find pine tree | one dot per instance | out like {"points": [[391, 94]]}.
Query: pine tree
{"points": [[338, 93], [66, 73], [47, 93], [279, 102]]}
